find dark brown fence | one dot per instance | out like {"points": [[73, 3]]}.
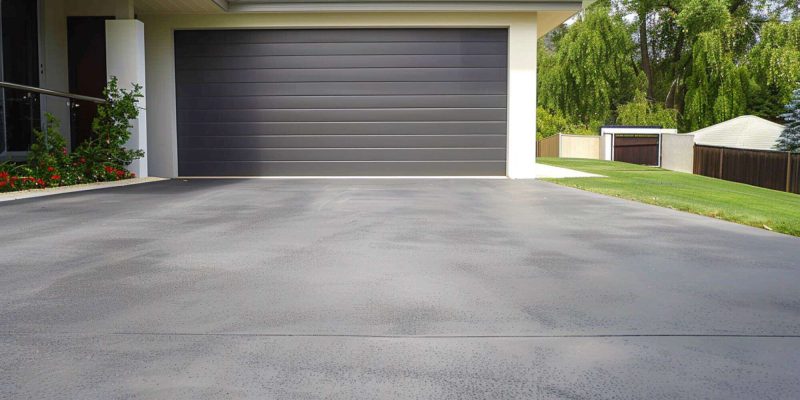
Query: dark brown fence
{"points": [[770, 169]]}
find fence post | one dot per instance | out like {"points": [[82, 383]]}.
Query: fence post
{"points": [[788, 171], [721, 158], [559, 146]]}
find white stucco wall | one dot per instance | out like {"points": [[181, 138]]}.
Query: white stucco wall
{"points": [[125, 61], [677, 152], [160, 61]]}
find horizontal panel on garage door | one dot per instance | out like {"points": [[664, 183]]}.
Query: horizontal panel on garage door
{"points": [[348, 75], [369, 168], [342, 128], [347, 49], [342, 141], [192, 89], [189, 63], [344, 154], [350, 36], [359, 115], [342, 102]]}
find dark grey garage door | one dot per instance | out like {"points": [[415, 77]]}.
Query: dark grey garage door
{"points": [[341, 102]]}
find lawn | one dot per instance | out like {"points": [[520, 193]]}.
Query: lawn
{"points": [[730, 201]]}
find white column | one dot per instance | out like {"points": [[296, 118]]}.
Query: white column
{"points": [[522, 37], [125, 60]]}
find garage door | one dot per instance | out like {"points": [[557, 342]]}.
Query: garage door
{"points": [[636, 149], [345, 102]]}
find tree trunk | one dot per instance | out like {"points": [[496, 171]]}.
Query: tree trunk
{"points": [[644, 48], [672, 97]]}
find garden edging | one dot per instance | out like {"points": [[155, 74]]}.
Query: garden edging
{"points": [[27, 194]]}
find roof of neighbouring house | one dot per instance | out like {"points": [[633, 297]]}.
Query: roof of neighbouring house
{"points": [[745, 132]]}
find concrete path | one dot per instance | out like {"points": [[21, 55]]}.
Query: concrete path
{"points": [[434, 289], [544, 171]]}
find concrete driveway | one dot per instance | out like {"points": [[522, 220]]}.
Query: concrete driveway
{"points": [[439, 289]]}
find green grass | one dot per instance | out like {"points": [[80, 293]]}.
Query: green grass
{"points": [[730, 201]]}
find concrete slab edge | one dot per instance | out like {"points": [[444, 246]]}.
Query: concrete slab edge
{"points": [[29, 194]]}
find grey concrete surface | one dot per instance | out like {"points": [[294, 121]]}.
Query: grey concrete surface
{"points": [[389, 289]]}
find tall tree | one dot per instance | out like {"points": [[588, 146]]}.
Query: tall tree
{"points": [[775, 67], [716, 86], [591, 71], [790, 138], [708, 60]]}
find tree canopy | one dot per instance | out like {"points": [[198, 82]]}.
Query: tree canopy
{"points": [[675, 63]]}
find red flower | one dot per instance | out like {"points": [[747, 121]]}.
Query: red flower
{"points": [[82, 160], [50, 169], [64, 150], [109, 169], [2, 183], [40, 182], [55, 177]]}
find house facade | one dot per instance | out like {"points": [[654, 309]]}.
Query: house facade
{"points": [[290, 88]]}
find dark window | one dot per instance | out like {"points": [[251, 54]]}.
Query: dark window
{"points": [[20, 110]]}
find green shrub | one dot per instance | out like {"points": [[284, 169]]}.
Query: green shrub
{"points": [[99, 159], [111, 127]]}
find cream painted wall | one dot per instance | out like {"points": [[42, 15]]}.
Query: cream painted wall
{"points": [[677, 152], [54, 60], [580, 146], [160, 61]]}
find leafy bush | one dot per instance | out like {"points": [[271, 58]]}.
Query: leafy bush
{"points": [[641, 112], [111, 127], [102, 158]]}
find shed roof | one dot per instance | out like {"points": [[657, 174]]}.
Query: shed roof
{"points": [[745, 132]]}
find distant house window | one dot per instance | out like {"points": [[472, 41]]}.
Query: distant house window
{"points": [[19, 111]]}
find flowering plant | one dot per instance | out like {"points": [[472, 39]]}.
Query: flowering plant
{"points": [[99, 159]]}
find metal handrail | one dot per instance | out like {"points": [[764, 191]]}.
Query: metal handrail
{"points": [[49, 92]]}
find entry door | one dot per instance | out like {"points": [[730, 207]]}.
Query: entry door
{"points": [[342, 102], [87, 71]]}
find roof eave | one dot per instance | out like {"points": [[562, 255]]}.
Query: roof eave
{"points": [[405, 6]]}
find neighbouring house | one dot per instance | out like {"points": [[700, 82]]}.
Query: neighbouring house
{"points": [[292, 87], [745, 132], [743, 150]]}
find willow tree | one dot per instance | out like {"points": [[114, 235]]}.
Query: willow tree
{"points": [[591, 71], [774, 63], [643, 112], [716, 87]]}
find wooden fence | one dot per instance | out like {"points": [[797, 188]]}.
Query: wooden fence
{"points": [[770, 169], [569, 146], [548, 147]]}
